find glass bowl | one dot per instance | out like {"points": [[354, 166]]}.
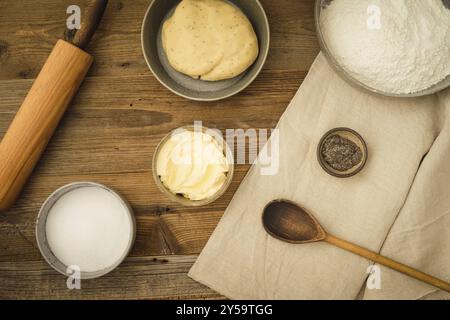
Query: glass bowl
{"points": [[321, 5], [179, 198]]}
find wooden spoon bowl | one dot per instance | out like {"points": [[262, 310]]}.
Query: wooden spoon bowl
{"points": [[283, 220], [286, 221]]}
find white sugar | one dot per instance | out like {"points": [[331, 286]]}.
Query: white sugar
{"points": [[89, 227]]}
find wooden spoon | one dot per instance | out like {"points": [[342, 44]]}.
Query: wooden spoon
{"points": [[288, 222]]}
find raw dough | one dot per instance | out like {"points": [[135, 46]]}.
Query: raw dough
{"points": [[209, 39]]}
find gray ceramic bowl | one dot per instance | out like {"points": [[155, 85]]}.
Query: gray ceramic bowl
{"points": [[41, 237], [185, 86], [321, 5]]}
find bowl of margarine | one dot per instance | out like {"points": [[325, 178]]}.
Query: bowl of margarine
{"points": [[193, 165], [205, 49]]}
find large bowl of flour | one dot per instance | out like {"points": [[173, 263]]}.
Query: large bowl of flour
{"points": [[395, 48]]}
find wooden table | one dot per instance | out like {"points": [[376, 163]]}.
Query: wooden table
{"points": [[109, 135]]}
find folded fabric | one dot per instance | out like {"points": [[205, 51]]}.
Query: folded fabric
{"points": [[241, 261], [420, 236]]}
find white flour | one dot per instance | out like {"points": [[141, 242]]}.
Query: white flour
{"points": [[397, 46]]}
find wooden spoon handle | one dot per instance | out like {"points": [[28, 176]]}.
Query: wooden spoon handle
{"points": [[388, 262]]}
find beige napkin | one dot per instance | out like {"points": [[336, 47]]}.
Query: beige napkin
{"points": [[421, 234], [377, 206]]}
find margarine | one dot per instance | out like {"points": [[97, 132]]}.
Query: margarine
{"points": [[192, 164]]}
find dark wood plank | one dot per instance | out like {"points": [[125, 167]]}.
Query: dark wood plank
{"points": [[29, 29], [161, 277]]}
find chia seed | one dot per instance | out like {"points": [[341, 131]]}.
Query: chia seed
{"points": [[341, 153]]}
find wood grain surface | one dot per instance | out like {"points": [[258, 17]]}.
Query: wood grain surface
{"points": [[109, 133]]}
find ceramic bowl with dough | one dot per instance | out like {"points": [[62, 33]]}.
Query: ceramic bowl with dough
{"points": [[209, 40], [186, 85]]}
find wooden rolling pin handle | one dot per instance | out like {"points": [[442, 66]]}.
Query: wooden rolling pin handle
{"points": [[91, 20], [38, 117], [388, 262]]}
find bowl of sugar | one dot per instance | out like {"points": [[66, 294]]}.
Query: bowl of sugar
{"points": [[85, 229]]}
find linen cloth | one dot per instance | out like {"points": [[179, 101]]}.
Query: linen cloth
{"points": [[398, 203]]}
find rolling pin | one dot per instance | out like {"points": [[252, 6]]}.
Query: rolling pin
{"points": [[44, 106]]}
